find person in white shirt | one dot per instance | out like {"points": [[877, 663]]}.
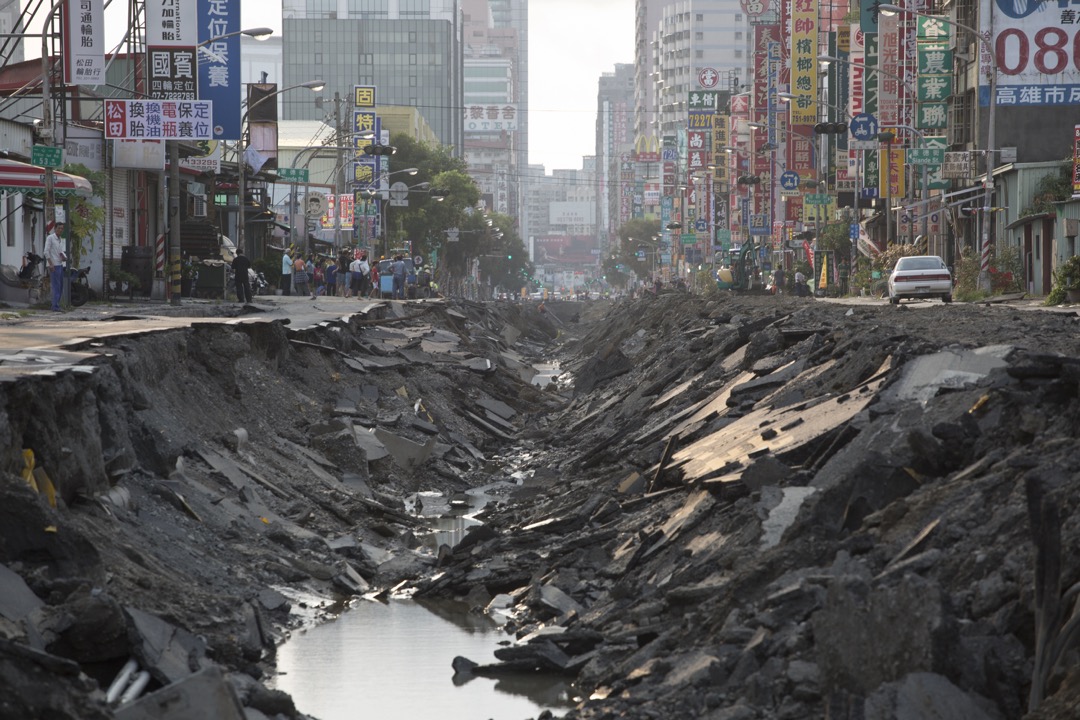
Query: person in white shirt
{"points": [[286, 272], [356, 268], [365, 275], [55, 258]]}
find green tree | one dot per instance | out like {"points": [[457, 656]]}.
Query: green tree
{"points": [[86, 216], [446, 176], [635, 235]]}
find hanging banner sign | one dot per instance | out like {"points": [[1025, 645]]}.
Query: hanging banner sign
{"points": [[219, 64], [84, 42]]}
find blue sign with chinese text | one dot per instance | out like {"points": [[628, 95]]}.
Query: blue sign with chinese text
{"points": [[219, 65]]}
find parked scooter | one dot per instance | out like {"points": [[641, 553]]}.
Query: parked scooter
{"points": [[80, 285], [257, 281], [30, 276], [33, 267]]}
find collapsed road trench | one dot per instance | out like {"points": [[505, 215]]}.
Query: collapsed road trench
{"points": [[191, 499]]}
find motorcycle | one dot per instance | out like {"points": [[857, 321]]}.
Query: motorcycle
{"points": [[257, 281], [33, 267], [31, 276]]}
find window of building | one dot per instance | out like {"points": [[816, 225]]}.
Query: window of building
{"points": [[412, 37], [738, 53], [699, 36], [738, 35], [412, 81], [700, 17], [318, 58], [699, 54], [738, 17], [412, 58]]}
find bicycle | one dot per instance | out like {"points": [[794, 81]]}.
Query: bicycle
{"points": [[80, 286]]}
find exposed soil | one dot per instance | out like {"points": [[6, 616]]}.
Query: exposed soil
{"points": [[219, 485]]}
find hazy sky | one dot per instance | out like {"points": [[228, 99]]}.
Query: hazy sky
{"points": [[571, 43]]}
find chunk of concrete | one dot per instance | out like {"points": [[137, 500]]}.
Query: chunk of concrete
{"points": [[925, 696], [498, 407], [205, 694], [168, 652], [849, 628], [406, 453], [371, 445], [783, 514], [17, 600], [559, 601]]}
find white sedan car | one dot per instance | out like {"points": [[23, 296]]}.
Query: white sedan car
{"points": [[920, 276]]}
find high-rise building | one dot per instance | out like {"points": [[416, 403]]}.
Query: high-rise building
{"points": [[496, 99], [411, 51], [615, 192], [692, 37]]}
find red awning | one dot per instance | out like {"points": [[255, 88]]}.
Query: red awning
{"points": [[19, 177]]}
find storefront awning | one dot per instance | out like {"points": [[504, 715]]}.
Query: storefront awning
{"points": [[20, 177]]}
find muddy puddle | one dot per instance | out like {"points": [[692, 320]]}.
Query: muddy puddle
{"points": [[393, 660]]}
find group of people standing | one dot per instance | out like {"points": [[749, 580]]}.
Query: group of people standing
{"points": [[349, 274], [355, 276]]}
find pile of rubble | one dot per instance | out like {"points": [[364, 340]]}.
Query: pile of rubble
{"points": [[724, 508], [764, 508]]}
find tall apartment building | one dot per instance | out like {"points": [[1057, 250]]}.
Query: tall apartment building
{"points": [[410, 50], [614, 144], [496, 99], [691, 36]]}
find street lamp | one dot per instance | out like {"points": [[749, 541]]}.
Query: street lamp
{"points": [[313, 85], [988, 201]]}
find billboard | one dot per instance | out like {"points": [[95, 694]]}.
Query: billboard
{"points": [[572, 213], [1036, 50], [157, 119], [491, 118]]}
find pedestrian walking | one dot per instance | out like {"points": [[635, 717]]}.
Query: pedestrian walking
{"points": [[778, 281], [241, 267]]}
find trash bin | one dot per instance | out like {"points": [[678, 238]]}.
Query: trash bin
{"points": [[139, 261]]}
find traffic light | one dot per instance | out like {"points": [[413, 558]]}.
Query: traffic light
{"points": [[831, 128], [509, 257], [749, 180], [379, 150]]}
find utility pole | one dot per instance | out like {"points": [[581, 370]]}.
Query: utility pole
{"points": [[339, 175]]}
